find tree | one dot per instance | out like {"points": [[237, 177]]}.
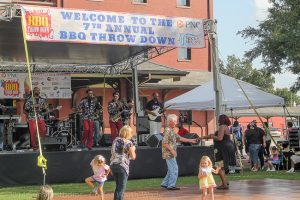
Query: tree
{"points": [[243, 70], [277, 39], [290, 98]]}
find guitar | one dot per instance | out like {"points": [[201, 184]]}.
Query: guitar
{"points": [[157, 113]]}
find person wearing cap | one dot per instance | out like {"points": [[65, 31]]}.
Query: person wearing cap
{"points": [[115, 110]]}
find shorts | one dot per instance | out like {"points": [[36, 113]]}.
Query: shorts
{"points": [[101, 183], [275, 162], [295, 158]]}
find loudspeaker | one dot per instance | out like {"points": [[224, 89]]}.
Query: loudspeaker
{"points": [[189, 136], [58, 143], [105, 140], [154, 140], [142, 125]]}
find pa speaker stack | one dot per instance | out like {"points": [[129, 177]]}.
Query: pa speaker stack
{"points": [[154, 140], [105, 140], [58, 143]]}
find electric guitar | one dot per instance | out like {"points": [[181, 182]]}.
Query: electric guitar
{"points": [[157, 113]]}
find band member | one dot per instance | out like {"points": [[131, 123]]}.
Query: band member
{"points": [[37, 106], [88, 106], [154, 109], [2, 110], [127, 111], [98, 124], [115, 109]]}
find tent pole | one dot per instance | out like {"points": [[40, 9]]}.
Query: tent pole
{"points": [[212, 36]]}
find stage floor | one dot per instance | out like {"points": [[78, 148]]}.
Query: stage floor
{"points": [[239, 190], [73, 165]]}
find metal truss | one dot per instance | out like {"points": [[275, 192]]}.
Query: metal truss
{"points": [[7, 10], [139, 58]]}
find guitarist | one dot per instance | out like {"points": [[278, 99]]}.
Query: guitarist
{"points": [[115, 109], [35, 103], [151, 107]]}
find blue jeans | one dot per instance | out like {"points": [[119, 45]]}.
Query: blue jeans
{"points": [[121, 178], [97, 134], [254, 149], [172, 174]]}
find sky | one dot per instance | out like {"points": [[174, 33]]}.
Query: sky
{"points": [[235, 15]]}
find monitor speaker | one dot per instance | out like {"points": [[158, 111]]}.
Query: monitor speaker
{"points": [[54, 143], [190, 136], [154, 140], [105, 140]]}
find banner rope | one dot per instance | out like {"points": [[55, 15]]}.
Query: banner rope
{"points": [[41, 160]]}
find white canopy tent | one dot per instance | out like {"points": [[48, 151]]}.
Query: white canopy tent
{"points": [[203, 97]]}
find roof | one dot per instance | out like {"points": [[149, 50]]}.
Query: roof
{"points": [[266, 112], [232, 92], [191, 80]]}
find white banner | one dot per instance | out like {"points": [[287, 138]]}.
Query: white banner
{"points": [[80, 26], [52, 86]]}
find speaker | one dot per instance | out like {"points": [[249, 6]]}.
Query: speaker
{"points": [[105, 140], [58, 143], [142, 125], [189, 136], [154, 140]]}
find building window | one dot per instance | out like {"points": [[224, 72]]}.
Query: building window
{"points": [[184, 54], [183, 3], [140, 1]]}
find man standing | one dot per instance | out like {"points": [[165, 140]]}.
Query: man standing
{"points": [[88, 106], [115, 109], [154, 109], [35, 108], [169, 152]]}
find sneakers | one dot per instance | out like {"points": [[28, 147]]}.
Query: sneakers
{"points": [[292, 170], [268, 170], [273, 170], [95, 191], [164, 186], [173, 188]]}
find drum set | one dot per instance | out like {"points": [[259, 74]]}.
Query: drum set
{"points": [[69, 128]]}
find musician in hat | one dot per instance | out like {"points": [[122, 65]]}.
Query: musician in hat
{"points": [[115, 110]]}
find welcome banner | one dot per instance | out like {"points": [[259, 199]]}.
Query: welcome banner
{"points": [[53, 86], [80, 26]]}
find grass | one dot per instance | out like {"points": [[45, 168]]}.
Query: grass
{"points": [[27, 192]]}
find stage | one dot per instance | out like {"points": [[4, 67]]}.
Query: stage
{"points": [[72, 166]]}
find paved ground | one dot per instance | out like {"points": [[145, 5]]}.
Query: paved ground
{"points": [[268, 189]]}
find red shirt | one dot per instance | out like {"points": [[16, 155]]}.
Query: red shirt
{"points": [[182, 132]]}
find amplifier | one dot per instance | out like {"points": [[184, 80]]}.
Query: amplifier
{"points": [[58, 143]]}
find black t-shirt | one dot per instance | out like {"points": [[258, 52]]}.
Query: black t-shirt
{"points": [[153, 105], [254, 136]]}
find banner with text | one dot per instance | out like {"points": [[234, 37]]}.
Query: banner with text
{"points": [[100, 27], [53, 86]]}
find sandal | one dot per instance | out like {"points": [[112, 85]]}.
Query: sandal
{"points": [[222, 187]]}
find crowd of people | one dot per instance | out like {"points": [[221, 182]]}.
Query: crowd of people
{"points": [[230, 141]]}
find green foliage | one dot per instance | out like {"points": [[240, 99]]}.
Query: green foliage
{"points": [[289, 97], [277, 39], [243, 70]]}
